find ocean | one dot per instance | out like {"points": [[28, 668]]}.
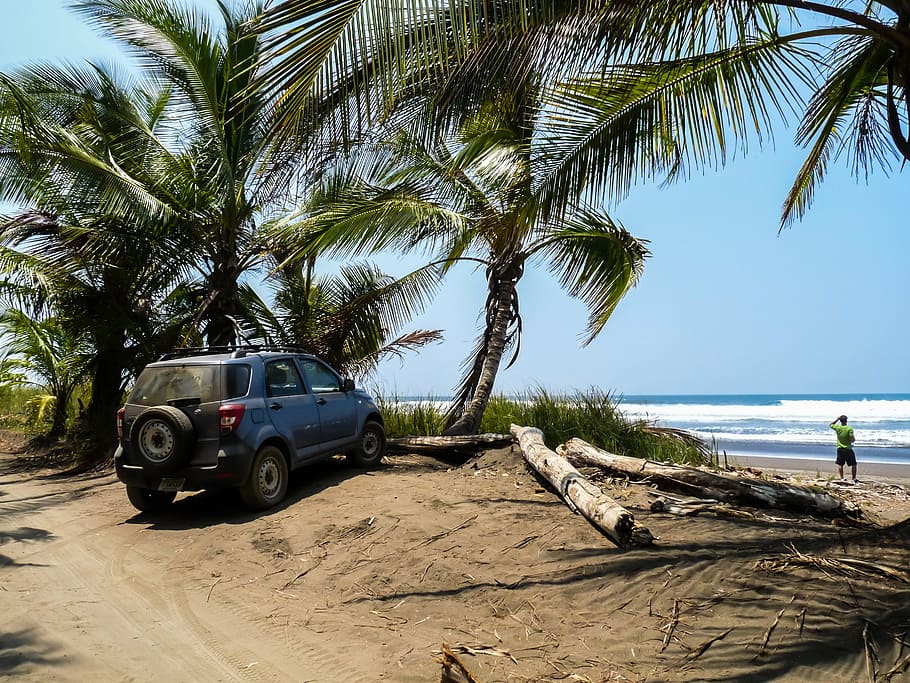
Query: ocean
{"points": [[790, 426]]}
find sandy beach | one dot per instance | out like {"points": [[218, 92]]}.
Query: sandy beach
{"points": [[822, 469], [366, 576]]}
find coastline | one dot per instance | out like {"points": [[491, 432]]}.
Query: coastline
{"points": [[822, 468]]}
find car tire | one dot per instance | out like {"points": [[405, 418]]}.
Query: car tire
{"points": [[371, 449], [162, 439], [268, 481], [147, 500]]}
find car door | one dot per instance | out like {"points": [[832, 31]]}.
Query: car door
{"points": [[293, 411], [337, 408]]}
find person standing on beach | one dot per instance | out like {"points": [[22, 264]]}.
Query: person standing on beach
{"points": [[845, 439]]}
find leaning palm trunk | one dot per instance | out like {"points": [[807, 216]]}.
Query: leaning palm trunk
{"points": [[478, 387]]}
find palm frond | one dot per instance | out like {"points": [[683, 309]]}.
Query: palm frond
{"points": [[845, 114], [603, 132], [596, 260]]}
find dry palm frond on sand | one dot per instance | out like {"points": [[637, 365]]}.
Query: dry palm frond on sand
{"points": [[838, 565]]}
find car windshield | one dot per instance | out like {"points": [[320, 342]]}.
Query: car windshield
{"points": [[169, 383]]}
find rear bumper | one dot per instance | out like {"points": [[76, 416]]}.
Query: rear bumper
{"points": [[230, 470]]}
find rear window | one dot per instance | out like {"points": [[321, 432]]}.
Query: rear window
{"points": [[177, 383]]}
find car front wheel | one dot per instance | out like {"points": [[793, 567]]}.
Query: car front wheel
{"points": [[268, 481], [371, 448], [146, 500]]}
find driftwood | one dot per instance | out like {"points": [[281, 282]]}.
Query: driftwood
{"points": [[617, 523], [435, 445], [693, 508], [725, 487]]}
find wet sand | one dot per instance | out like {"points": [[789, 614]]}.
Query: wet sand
{"points": [[823, 469]]}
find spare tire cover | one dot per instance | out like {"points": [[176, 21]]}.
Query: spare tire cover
{"points": [[162, 438]]}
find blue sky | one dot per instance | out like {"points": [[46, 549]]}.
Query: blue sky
{"points": [[726, 305]]}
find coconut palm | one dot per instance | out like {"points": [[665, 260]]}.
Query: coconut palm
{"points": [[693, 80], [113, 308], [144, 196], [477, 198], [40, 353], [349, 318], [78, 145], [223, 173], [858, 105]]}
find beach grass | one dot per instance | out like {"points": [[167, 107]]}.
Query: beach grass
{"points": [[594, 416]]}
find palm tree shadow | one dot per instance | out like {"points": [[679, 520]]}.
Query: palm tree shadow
{"points": [[23, 649]]}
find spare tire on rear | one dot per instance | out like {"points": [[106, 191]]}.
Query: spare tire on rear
{"points": [[162, 439]]}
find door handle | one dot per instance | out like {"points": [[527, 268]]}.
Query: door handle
{"points": [[275, 406], [320, 401]]}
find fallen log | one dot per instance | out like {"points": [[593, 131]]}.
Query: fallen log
{"points": [[726, 487], [613, 520], [434, 445]]}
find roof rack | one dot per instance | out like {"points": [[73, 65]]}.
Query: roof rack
{"points": [[187, 351]]}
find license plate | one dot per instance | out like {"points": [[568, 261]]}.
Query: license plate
{"points": [[171, 484]]}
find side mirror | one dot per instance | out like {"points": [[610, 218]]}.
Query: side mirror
{"points": [[348, 384]]}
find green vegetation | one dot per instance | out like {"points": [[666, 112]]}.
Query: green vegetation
{"points": [[26, 409], [594, 416]]}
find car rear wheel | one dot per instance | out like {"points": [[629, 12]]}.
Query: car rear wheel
{"points": [[162, 437], [268, 481], [146, 500], [371, 448]]}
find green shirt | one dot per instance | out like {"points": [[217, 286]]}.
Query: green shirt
{"points": [[845, 437]]}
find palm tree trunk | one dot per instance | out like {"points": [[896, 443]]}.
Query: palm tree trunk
{"points": [[96, 433], [221, 312], [61, 408], [502, 291]]}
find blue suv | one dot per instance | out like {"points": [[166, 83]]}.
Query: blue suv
{"points": [[244, 417]]}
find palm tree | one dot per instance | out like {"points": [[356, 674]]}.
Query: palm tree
{"points": [[692, 80], [78, 145], [223, 171], [478, 198], [146, 199], [347, 319], [42, 354], [858, 54], [144, 195]]}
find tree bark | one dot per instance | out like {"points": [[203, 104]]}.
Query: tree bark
{"points": [[617, 523], [502, 292], [433, 445], [725, 487]]}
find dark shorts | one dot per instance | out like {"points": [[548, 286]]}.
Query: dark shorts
{"points": [[846, 456]]}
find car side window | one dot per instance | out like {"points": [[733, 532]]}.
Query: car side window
{"points": [[282, 378], [320, 378], [236, 380]]}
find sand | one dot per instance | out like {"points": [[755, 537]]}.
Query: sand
{"points": [[364, 576], [824, 469]]}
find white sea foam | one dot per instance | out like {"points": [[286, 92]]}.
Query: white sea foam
{"points": [[817, 412], [889, 438]]}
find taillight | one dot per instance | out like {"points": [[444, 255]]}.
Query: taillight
{"points": [[120, 423], [230, 415]]}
